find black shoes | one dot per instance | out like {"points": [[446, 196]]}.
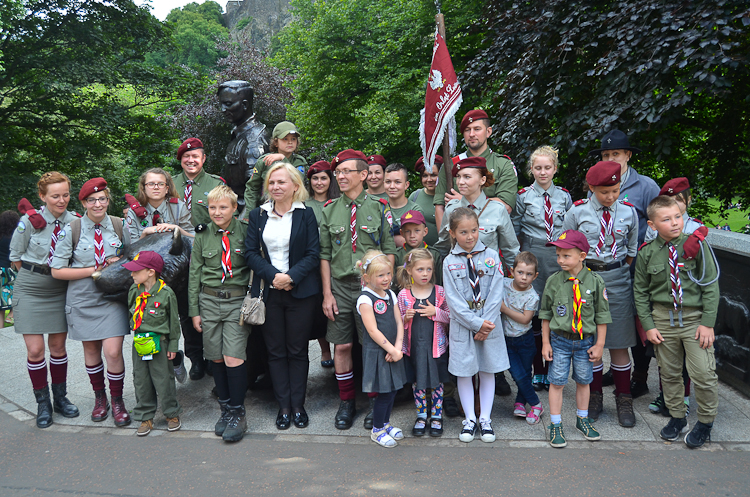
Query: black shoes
{"points": [[367, 424], [674, 429], [300, 418], [698, 436], [44, 408], [237, 424], [450, 407], [283, 420], [638, 388], [501, 385], [61, 404], [420, 427], [198, 369], [595, 405], [345, 415], [221, 424]]}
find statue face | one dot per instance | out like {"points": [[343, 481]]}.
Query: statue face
{"points": [[233, 106]]}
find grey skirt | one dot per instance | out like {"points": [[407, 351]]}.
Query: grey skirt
{"points": [[621, 332], [39, 304], [90, 317]]}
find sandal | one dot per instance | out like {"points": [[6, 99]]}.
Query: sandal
{"points": [[436, 427], [382, 438], [419, 427], [535, 414], [394, 432]]}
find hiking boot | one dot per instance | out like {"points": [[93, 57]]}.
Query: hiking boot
{"points": [[625, 414], [658, 406], [61, 404], [44, 408], [589, 432], [556, 436], [595, 405], [237, 424], [145, 428], [119, 412], [674, 429], [101, 406], [698, 435], [221, 424], [638, 388]]}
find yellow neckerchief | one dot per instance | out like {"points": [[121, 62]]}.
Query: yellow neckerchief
{"points": [[140, 304], [577, 304]]}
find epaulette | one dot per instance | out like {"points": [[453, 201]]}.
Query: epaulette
{"points": [[642, 245], [222, 180], [328, 202], [628, 203], [581, 201], [564, 189], [201, 228], [383, 201], [76, 214], [697, 220], [522, 190], [173, 200], [507, 157], [136, 206]]}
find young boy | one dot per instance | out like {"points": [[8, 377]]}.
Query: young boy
{"points": [[574, 313], [520, 302], [678, 315], [414, 230], [153, 311], [218, 283]]}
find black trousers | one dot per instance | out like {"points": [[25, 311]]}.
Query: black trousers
{"points": [[286, 333]]}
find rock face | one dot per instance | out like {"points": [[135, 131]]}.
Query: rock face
{"points": [[259, 19]]}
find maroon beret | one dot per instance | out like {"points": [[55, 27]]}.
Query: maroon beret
{"points": [[571, 239], [346, 155], [472, 116], [419, 166], [413, 217], [604, 173], [674, 186], [147, 259], [189, 144], [94, 185], [318, 167], [377, 159], [470, 162]]}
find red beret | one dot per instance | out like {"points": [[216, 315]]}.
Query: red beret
{"points": [[377, 159], [318, 167], [346, 155], [189, 144], [145, 260], [604, 173], [674, 186], [472, 116], [419, 166], [470, 162], [92, 186], [571, 239], [413, 217]]}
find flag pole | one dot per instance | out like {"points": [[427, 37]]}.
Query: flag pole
{"points": [[447, 162]]}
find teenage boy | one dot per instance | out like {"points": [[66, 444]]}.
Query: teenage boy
{"points": [[574, 313], [396, 183], [678, 315]]}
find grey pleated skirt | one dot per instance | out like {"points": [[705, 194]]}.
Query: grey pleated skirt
{"points": [[621, 332], [90, 317], [39, 304]]}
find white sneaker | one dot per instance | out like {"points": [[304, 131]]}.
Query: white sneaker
{"points": [[382, 438], [394, 432], [467, 434], [488, 434]]}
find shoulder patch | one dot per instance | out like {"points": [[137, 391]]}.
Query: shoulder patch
{"points": [[328, 202], [581, 201], [522, 190], [628, 203], [382, 201], [642, 245], [563, 189], [173, 200], [21, 227], [507, 157]]}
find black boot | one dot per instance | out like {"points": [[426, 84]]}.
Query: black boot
{"points": [[236, 426], [44, 408], [221, 424], [61, 403], [501, 385], [368, 418]]}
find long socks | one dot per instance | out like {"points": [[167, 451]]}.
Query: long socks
{"points": [[420, 400], [237, 379], [219, 370], [486, 394], [596, 383], [58, 369], [621, 375], [116, 382], [381, 409], [96, 376], [437, 402], [346, 385], [37, 373], [466, 394]]}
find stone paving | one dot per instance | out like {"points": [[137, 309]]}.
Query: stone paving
{"points": [[200, 410]]}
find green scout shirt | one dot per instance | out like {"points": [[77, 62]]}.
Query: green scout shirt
{"points": [[254, 186], [336, 238], [203, 184], [504, 187], [382, 195], [160, 315], [652, 282], [205, 261], [398, 212], [557, 302], [425, 201], [436, 257], [317, 208]]}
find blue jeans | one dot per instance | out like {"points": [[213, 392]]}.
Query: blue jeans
{"points": [[563, 351], [521, 351]]}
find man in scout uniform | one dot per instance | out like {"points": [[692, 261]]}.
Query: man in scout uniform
{"points": [[476, 129], [376, 165], [679, 314], [193, 185], [396, 183], [351, 225]]}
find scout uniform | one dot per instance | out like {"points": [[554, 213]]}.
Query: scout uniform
{"points": [[154, 310], [672, 188], [689, 226], [427, 202], [397, 213], [170, 211], [195, 194], [254, 187], [677, 317]]}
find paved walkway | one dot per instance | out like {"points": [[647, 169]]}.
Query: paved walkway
{"points": [[200, 411]]}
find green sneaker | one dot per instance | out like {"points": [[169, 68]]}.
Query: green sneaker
{"points": [[556, 435], [589, 432]]}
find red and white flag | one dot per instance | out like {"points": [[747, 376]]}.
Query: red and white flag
{"points": [[442, 100]]}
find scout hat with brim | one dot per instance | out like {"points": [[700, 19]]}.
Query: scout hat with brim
{"points": [[615, 140], [284, 128]]}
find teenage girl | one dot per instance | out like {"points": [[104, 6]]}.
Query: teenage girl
{"points": [[382, 368], [426, 317], [538, 218], [473, 280]]}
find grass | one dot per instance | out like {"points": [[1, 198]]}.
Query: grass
{"points": [[736, 218]]}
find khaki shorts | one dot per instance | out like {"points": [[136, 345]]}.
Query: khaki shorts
{"points": [[222, 333], [348, 321]]}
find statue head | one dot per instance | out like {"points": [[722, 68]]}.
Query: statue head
{"points": [[236, 100]]}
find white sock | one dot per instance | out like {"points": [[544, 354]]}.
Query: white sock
{"points": [[555, 418], [486, 394], [466, 393], [582, 413]]}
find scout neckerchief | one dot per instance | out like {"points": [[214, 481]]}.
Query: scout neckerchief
{"points": [[607, 222], [226, 255], [99, 258], [189, 193], [674, 276], [156, 218], [577, 305], [473, 275], [140, 305], [353, 226], [548, 222], [53, 242]]}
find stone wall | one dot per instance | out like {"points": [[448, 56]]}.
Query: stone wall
{"points": [[265, 18]]}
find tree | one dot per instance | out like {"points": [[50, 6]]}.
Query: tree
{"points": [[672, 74], [76, 96]]}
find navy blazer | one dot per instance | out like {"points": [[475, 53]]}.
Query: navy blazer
{"points": [[304, 253]]}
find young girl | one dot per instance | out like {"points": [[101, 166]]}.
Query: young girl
{"points": [[473, 282], [426, 317], [383, 370], [537, 219], [157, 207]]}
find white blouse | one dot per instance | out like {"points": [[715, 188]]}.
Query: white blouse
{"points": [[277, 233]]}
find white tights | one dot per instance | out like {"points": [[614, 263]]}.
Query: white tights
{"points": [[486, 395]]}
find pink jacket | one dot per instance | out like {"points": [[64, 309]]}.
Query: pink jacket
{"points": [[441, 318]]}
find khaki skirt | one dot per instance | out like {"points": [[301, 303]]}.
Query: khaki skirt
{"points": [[39, 304]]}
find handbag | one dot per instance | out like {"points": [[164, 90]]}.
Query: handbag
{"points": [[253, 310]]}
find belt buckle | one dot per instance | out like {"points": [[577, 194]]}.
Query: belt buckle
{"points": [[478, 306], [222, 294]]}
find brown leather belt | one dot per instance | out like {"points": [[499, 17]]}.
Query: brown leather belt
{"points": [[568, 335]]}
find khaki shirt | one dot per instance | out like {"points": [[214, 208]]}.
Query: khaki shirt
{"points": [[254, 187], [83, 255], [528, 216], [557, 302], [203, 184], [171, 213], [160, 315], [205, 261], [373, 232], [585, 216], [32, 245], [652, 281]]}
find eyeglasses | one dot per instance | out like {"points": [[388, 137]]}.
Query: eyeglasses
{"points": [[345, 172], [94, 201], [154, 185]]}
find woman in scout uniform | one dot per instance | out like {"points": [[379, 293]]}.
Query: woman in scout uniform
{"points": [[157, 208], [537, 219], [85, 246], [424, 197], [31, 249]]}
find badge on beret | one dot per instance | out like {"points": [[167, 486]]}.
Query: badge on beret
{"points": [[604, 294], [490, 262], [563, 236], [188, 145], [380, 306], [21, 227], [561, 310]]}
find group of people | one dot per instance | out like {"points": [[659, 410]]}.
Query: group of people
{"points": [[444, 290]]}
